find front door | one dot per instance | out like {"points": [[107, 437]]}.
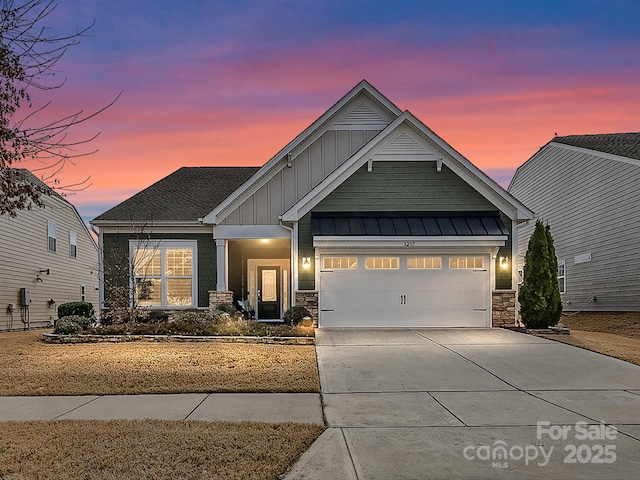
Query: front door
{"points": [[268, 293]]}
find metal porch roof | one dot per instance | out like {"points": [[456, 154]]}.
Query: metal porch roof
{"points": [[390, 224]]}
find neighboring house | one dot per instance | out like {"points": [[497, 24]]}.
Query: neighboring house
{"points": [[49, 254], [587, 188], [367, 217]]}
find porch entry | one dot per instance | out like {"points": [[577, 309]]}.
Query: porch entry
{"points": [[268, 281]]}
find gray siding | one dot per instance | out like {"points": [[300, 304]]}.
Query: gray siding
{"points": [[396, 186], [308, 169], [24, 250], [592, 205], [116, 251]]}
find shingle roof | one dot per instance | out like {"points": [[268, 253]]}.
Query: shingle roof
{"points": [[389, 224], [621, 144], [185, 195]]}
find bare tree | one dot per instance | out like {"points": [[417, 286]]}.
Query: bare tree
{"points": [[128, 274], [28, 57]]}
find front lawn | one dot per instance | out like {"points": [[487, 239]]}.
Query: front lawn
{"points": [[32, 367], [115, 449]]}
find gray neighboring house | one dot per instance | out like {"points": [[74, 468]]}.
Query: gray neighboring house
{"points": [[587, 188], [49, 253], [367, 218]]}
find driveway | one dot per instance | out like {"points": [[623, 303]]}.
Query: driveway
{"points": [[471, 403]]}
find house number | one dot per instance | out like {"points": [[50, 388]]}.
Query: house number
{"points": [[410, 244]]}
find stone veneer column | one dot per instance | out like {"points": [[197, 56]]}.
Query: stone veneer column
{"points": [[217, 298], [504, 308], [309, 300]]}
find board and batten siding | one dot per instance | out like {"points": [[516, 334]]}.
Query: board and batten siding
{"points": [[24, 251], [307, 170], [592, 206], [395, 186]]}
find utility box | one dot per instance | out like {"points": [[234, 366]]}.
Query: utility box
{"points": [[25, 297]]}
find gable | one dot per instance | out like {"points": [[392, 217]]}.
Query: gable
{"points": [[414, 149], [404, 186], [312, 155]]}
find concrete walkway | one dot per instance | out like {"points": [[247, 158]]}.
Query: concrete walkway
{"points": [[232, 407], [467, 403]]}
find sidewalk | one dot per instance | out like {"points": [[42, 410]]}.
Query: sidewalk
{"points": [[211, 407]]}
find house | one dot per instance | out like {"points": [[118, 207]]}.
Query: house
{"points": [[367, 218], [587, 188], [47, 257]]}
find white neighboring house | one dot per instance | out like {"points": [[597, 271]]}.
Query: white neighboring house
{"points": [[49, 253], [587, 188]]}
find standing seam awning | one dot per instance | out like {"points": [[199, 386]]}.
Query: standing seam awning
{"points": [[406, 224]]}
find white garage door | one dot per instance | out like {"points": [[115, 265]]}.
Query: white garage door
{"points": [[404, 291]]}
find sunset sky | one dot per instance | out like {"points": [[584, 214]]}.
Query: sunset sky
{"points": [[230, 83]]}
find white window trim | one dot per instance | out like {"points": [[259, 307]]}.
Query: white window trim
{"points": [[163, 245], [73, 242], [52, 234], [562, 263]]}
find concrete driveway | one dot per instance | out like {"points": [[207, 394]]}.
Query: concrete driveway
{"points": [[471, 403]]}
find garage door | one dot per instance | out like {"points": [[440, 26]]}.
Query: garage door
{"points": [[404, 291]]}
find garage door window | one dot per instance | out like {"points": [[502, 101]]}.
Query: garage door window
{"points": [[424, 263], [340, 263], [382, 263], [465, 262]]}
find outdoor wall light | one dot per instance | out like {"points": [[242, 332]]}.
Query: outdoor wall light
{"points": [[504, 262], [306, 262]]}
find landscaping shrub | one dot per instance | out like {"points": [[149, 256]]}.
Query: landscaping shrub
{"points": [[153, 316], [294, 315], [83, 309], [539, 296], [71, 325], [226, 308], [197, 317]]}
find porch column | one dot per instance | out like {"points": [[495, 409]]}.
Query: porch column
{"points": [[221, 265]]}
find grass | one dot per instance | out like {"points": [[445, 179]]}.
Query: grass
{"points": [[91, 449], [32, 367], [616, 334], [155, 449]]}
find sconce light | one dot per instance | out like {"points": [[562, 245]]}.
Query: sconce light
{"points": [[51, 302], [504, 262], [306, 262]]}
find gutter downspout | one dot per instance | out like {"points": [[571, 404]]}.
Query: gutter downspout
{"points": [[98, 233]]}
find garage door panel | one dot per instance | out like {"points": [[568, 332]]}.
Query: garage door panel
{"points": [[403, 297]]}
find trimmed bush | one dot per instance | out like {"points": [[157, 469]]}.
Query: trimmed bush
{"points": [[227, 308], [83, 309], [294, 315], [202, 318], [71, 325], [153, 316]]}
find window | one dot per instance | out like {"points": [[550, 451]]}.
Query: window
{"points": [[83, 294], [562, 276], [339, 263], [73, 244], [165, 274], [51, 234], [465, 263], [381, 263], [424, 263]]}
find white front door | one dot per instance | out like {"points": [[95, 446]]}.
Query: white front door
{"points": [[404, 290]]}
